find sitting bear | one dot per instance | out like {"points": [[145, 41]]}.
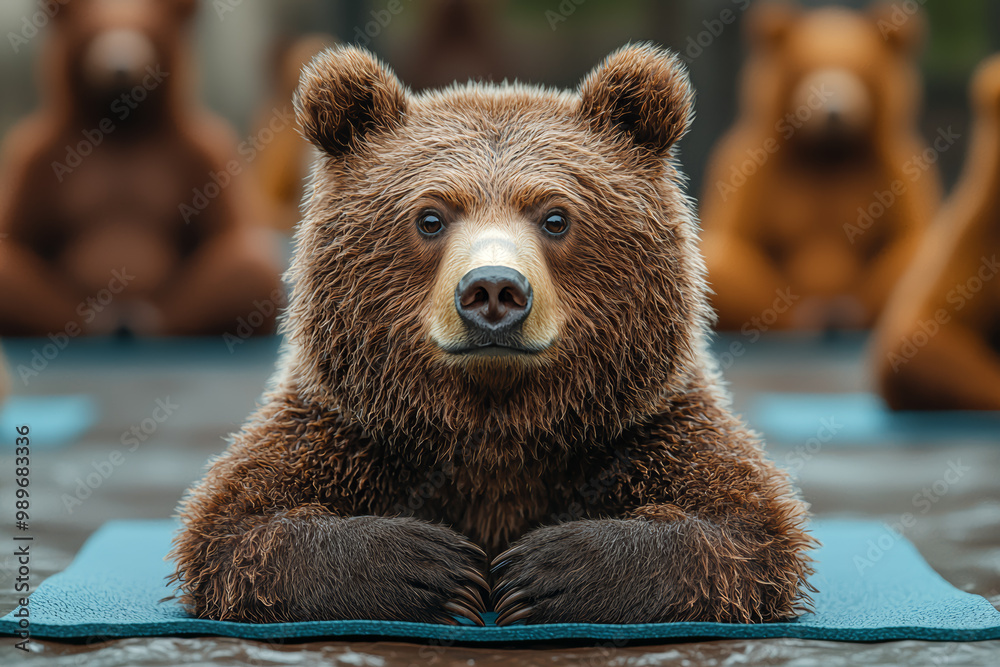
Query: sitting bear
{"points": [[816, 198], [119, 206], [496, 349], [938, 346]]}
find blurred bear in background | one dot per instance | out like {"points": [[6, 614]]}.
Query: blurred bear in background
{"points": [[816, 198], [938, 346], [281, 170], [457, 41], [122, 207]]}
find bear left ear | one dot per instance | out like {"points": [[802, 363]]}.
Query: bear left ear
{"points": [[345, 97], [641, 91], [184, 9], [905, 31]]}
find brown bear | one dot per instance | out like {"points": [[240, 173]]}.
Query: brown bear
{"points": [[120, 204], [496, 342], [938, 345], [816, 198]]}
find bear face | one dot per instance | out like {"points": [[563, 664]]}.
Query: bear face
{"points": [[839, 79], [103, 49], [503, 258]]}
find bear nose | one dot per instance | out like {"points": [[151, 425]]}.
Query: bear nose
{"points": [[493, 298]]}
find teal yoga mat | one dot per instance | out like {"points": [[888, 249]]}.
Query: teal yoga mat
{"points": [[863, 419], [55, 421], [873, 585]]}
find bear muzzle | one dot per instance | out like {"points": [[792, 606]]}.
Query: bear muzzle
{"points": [[118, 59], [493, 302], [494, 296]]}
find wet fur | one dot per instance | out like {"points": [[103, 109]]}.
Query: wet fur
{"points": [[610, 459]]}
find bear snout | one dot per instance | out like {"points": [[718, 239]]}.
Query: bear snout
{"points": [[118, 59], [493, 301], [832, 103], [494, 295]]}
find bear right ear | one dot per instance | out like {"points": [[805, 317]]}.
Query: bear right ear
{"points": [[642, 92], [767, 23], [905, 31], [346, 96]]}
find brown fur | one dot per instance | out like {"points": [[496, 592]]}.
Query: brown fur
{"points": [[119, 208], [791, 243], [607, 453], [938, 346]]}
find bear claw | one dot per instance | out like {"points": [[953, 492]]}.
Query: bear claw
{"points": [[474, 548], [510, 598], [513, 614], [506, 557], [472, 596], [459, 609], [475, 578]]}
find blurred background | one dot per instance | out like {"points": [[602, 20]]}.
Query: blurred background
{"points": [[236, 43], [820, 388]]}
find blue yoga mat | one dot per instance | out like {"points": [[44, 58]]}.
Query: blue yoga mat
{"points": [[862, 419], [873, 585], [55, 421]]}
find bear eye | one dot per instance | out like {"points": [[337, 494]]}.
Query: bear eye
{"points": [[555, 222], [430, 223]]}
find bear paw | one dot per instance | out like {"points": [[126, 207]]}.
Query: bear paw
{"points": [[425, 572], [601, 571]]}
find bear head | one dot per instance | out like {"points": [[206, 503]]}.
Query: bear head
{"points": [[102, 50], [833, 78], [502, 265]]}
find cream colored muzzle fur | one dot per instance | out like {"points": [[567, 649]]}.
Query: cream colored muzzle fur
{"points": [[495, 241]]}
